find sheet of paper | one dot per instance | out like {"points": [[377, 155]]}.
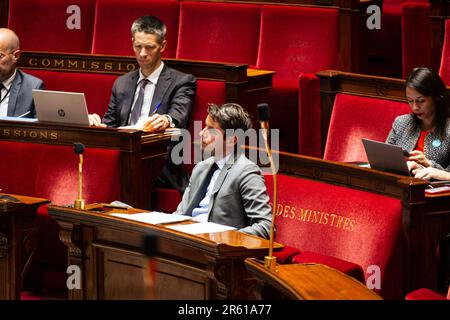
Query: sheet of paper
{"points": [[202, 227], [153, 217]]}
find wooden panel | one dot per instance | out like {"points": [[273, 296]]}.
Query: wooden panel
{"points": [[115, 264], [184, 281]]}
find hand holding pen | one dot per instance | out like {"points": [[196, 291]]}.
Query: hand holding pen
{"points": [[156, 122]]}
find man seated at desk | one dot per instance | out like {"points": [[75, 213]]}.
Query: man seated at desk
{"points": [[227, 188], [154, 97], [15, 85]]}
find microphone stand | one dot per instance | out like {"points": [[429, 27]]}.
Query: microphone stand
{"points": [[270, 261], [79, 202]]}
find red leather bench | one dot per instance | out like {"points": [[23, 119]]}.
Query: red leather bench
{"points": [[352, 119], [52, 25], [113, 19], [343, 228], [51, 171]]}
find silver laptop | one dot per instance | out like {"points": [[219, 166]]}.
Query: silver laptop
{"points": [[386, 157], [60, 106]]}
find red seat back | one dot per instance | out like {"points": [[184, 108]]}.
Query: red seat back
{"points": [[58, 175], [20, 166], [352, 119], [113, 19], [298, 39], [357, 226], [219, 32], [96, 87], [444, 70], [416, 36], [50, 25]]}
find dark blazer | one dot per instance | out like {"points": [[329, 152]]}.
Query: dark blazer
{"points": [[239, 197], [20, 97], [175, 90], [404, 135]]}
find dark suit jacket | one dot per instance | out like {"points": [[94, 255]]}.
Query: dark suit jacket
{"points": [[239, 197], [175, 90], [20, 97]]}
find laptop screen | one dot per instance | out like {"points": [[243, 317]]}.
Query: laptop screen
{"points": [[60, 106], [386, 157]]}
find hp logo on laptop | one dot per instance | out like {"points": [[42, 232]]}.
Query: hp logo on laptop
{"points": [[61, 113]]}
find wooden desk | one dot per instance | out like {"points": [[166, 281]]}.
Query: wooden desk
{"points": [[141, 154], [309, 282], [17, 231], [108, 251]]}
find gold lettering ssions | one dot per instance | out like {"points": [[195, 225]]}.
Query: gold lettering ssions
{"points": [[75, 64], [29, 134], [313, 216]]}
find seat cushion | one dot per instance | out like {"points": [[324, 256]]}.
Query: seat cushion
{"points": [[352, 269]]}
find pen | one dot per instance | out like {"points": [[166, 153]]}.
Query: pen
{"points": [[156, 108], [23, 115]]}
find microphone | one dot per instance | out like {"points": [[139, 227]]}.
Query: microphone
{"points": [[78, 148], [263, 116]]}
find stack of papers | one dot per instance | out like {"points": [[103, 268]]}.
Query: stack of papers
{"points": [[153, 217], [202, 227]]}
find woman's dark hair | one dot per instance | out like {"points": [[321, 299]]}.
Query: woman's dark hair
{"points": [[428, 83]]}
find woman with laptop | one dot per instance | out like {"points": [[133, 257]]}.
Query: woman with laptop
{"points": [[425, 132]]}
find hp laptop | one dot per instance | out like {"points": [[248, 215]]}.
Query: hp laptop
{"points": [[60, 106], [386, 157]]}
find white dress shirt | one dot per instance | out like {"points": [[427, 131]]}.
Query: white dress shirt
{"points": [[149, 91], [201, 212], [5, 95]]}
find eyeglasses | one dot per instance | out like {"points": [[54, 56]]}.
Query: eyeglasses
{"points": [[3, 54]]}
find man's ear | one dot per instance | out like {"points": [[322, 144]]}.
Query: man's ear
{"points": [[16, 55], [163, 46], [231, 140]]}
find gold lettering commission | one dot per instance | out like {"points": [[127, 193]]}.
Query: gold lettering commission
{"points": [[31, 134], [318, 217], [69, 64]]}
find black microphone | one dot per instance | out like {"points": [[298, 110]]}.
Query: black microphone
{"points": [[263, 115], [78, 148]]}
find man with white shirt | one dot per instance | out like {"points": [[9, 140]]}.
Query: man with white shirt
{"points": [[154, 97], [15, 85], [227, 188]]}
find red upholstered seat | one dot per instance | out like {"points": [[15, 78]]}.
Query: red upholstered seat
{"points": [[352, 269], [19, 169], [444, 70], [416, 36], [51, 25], [217, 31], [113, 19], [167, 200], [327, 222], [352, 119], [50, 171], [96, 87], [424, 294], [296, 40]]}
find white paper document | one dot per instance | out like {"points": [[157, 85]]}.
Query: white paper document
{"points": [[202, 227], [153, 217]]}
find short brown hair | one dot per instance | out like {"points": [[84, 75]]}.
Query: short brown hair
{"points": [[230, 116]]}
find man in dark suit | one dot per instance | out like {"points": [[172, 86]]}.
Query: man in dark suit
{"points": [[154, 97], [15, 85], [227, 188]]}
